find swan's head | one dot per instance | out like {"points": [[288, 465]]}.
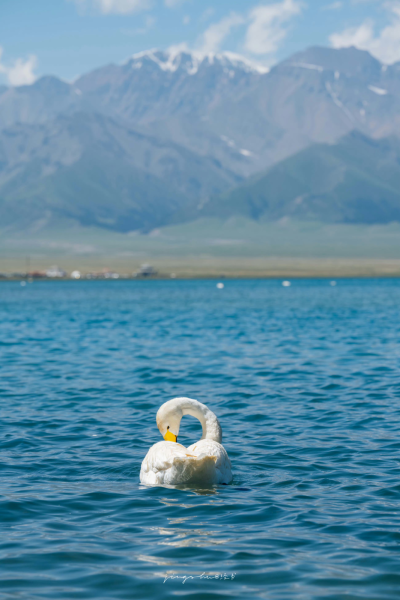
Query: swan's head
{"points": [[168, 418], [170, 414]]}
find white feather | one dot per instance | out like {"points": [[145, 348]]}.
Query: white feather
{"points": [[205, 462]]}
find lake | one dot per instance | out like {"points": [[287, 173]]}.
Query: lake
{"points": [[305, 381]]}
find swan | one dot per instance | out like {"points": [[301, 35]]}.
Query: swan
{"points": [[205, 462]]}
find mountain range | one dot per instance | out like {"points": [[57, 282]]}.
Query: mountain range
{"points": [[170, 136], [356, 180]]}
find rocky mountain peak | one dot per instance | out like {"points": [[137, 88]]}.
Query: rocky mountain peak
{"points": [[348, 61], [191, 61]]}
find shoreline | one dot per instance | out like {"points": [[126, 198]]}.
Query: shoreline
{"points": [[116, 268], [205, 277], [209, 249]]}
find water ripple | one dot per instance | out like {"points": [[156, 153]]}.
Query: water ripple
{"points": [[305, 382]]}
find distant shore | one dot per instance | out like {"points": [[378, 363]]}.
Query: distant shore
{"points": [[210, 248], [117, 268]]}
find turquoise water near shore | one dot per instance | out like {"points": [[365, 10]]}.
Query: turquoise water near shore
{"points": [[306, 383]]}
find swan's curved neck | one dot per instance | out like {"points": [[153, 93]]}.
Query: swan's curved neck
{"points": [[209, 422]]}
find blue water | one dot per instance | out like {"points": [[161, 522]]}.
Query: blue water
{"points": [[305, 381]]}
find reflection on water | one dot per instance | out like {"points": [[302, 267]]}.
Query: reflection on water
{"points": [[192, 489], [306, 384]]}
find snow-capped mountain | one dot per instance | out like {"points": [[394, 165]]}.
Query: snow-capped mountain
{"points": [[190, 61], [172, 114], [224, 106]]}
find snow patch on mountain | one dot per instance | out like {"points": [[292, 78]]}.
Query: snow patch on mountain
{"points": [[337, 101], [228, 141], [309, 66], [190, 61], [377, 90]]}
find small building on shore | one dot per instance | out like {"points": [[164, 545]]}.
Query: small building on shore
{"points": [[54, 272], [146, 270]]}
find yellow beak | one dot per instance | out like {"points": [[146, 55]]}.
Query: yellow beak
{"points": [[170, 437]]}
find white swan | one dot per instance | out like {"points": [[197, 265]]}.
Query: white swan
{"points": [[205, 462]]}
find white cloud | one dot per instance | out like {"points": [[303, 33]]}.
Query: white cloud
{"points": [[268, 26], [21, 72], [121, 7], [213, 37], [207, 14], [355, 36], [173, 3], [385, 45], [148, 24], [333, 6]]}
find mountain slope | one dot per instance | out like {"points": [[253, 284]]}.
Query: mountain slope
{"points": [[224, 108], [61, 141], [97, 190], [244, 117], [354, 181], [96, 170], [180, 128]]}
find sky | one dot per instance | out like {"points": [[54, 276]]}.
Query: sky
{"points": [[69, 37]]}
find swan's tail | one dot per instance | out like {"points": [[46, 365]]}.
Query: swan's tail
{"points": [[194, 469]]}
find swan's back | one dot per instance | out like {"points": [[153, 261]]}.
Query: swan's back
{"points": [[205, 462]]}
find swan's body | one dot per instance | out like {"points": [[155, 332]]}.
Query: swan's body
{"points": [[205, 462]]}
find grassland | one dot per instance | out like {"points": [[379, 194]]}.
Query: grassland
{"points": [[237, 247]]}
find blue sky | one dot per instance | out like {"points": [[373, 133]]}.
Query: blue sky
{"points": [[70, 37]]}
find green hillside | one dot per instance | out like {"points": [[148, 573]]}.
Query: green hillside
{"points": [[100, 172], [207, 238], [354, 181], [97, 190]]}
